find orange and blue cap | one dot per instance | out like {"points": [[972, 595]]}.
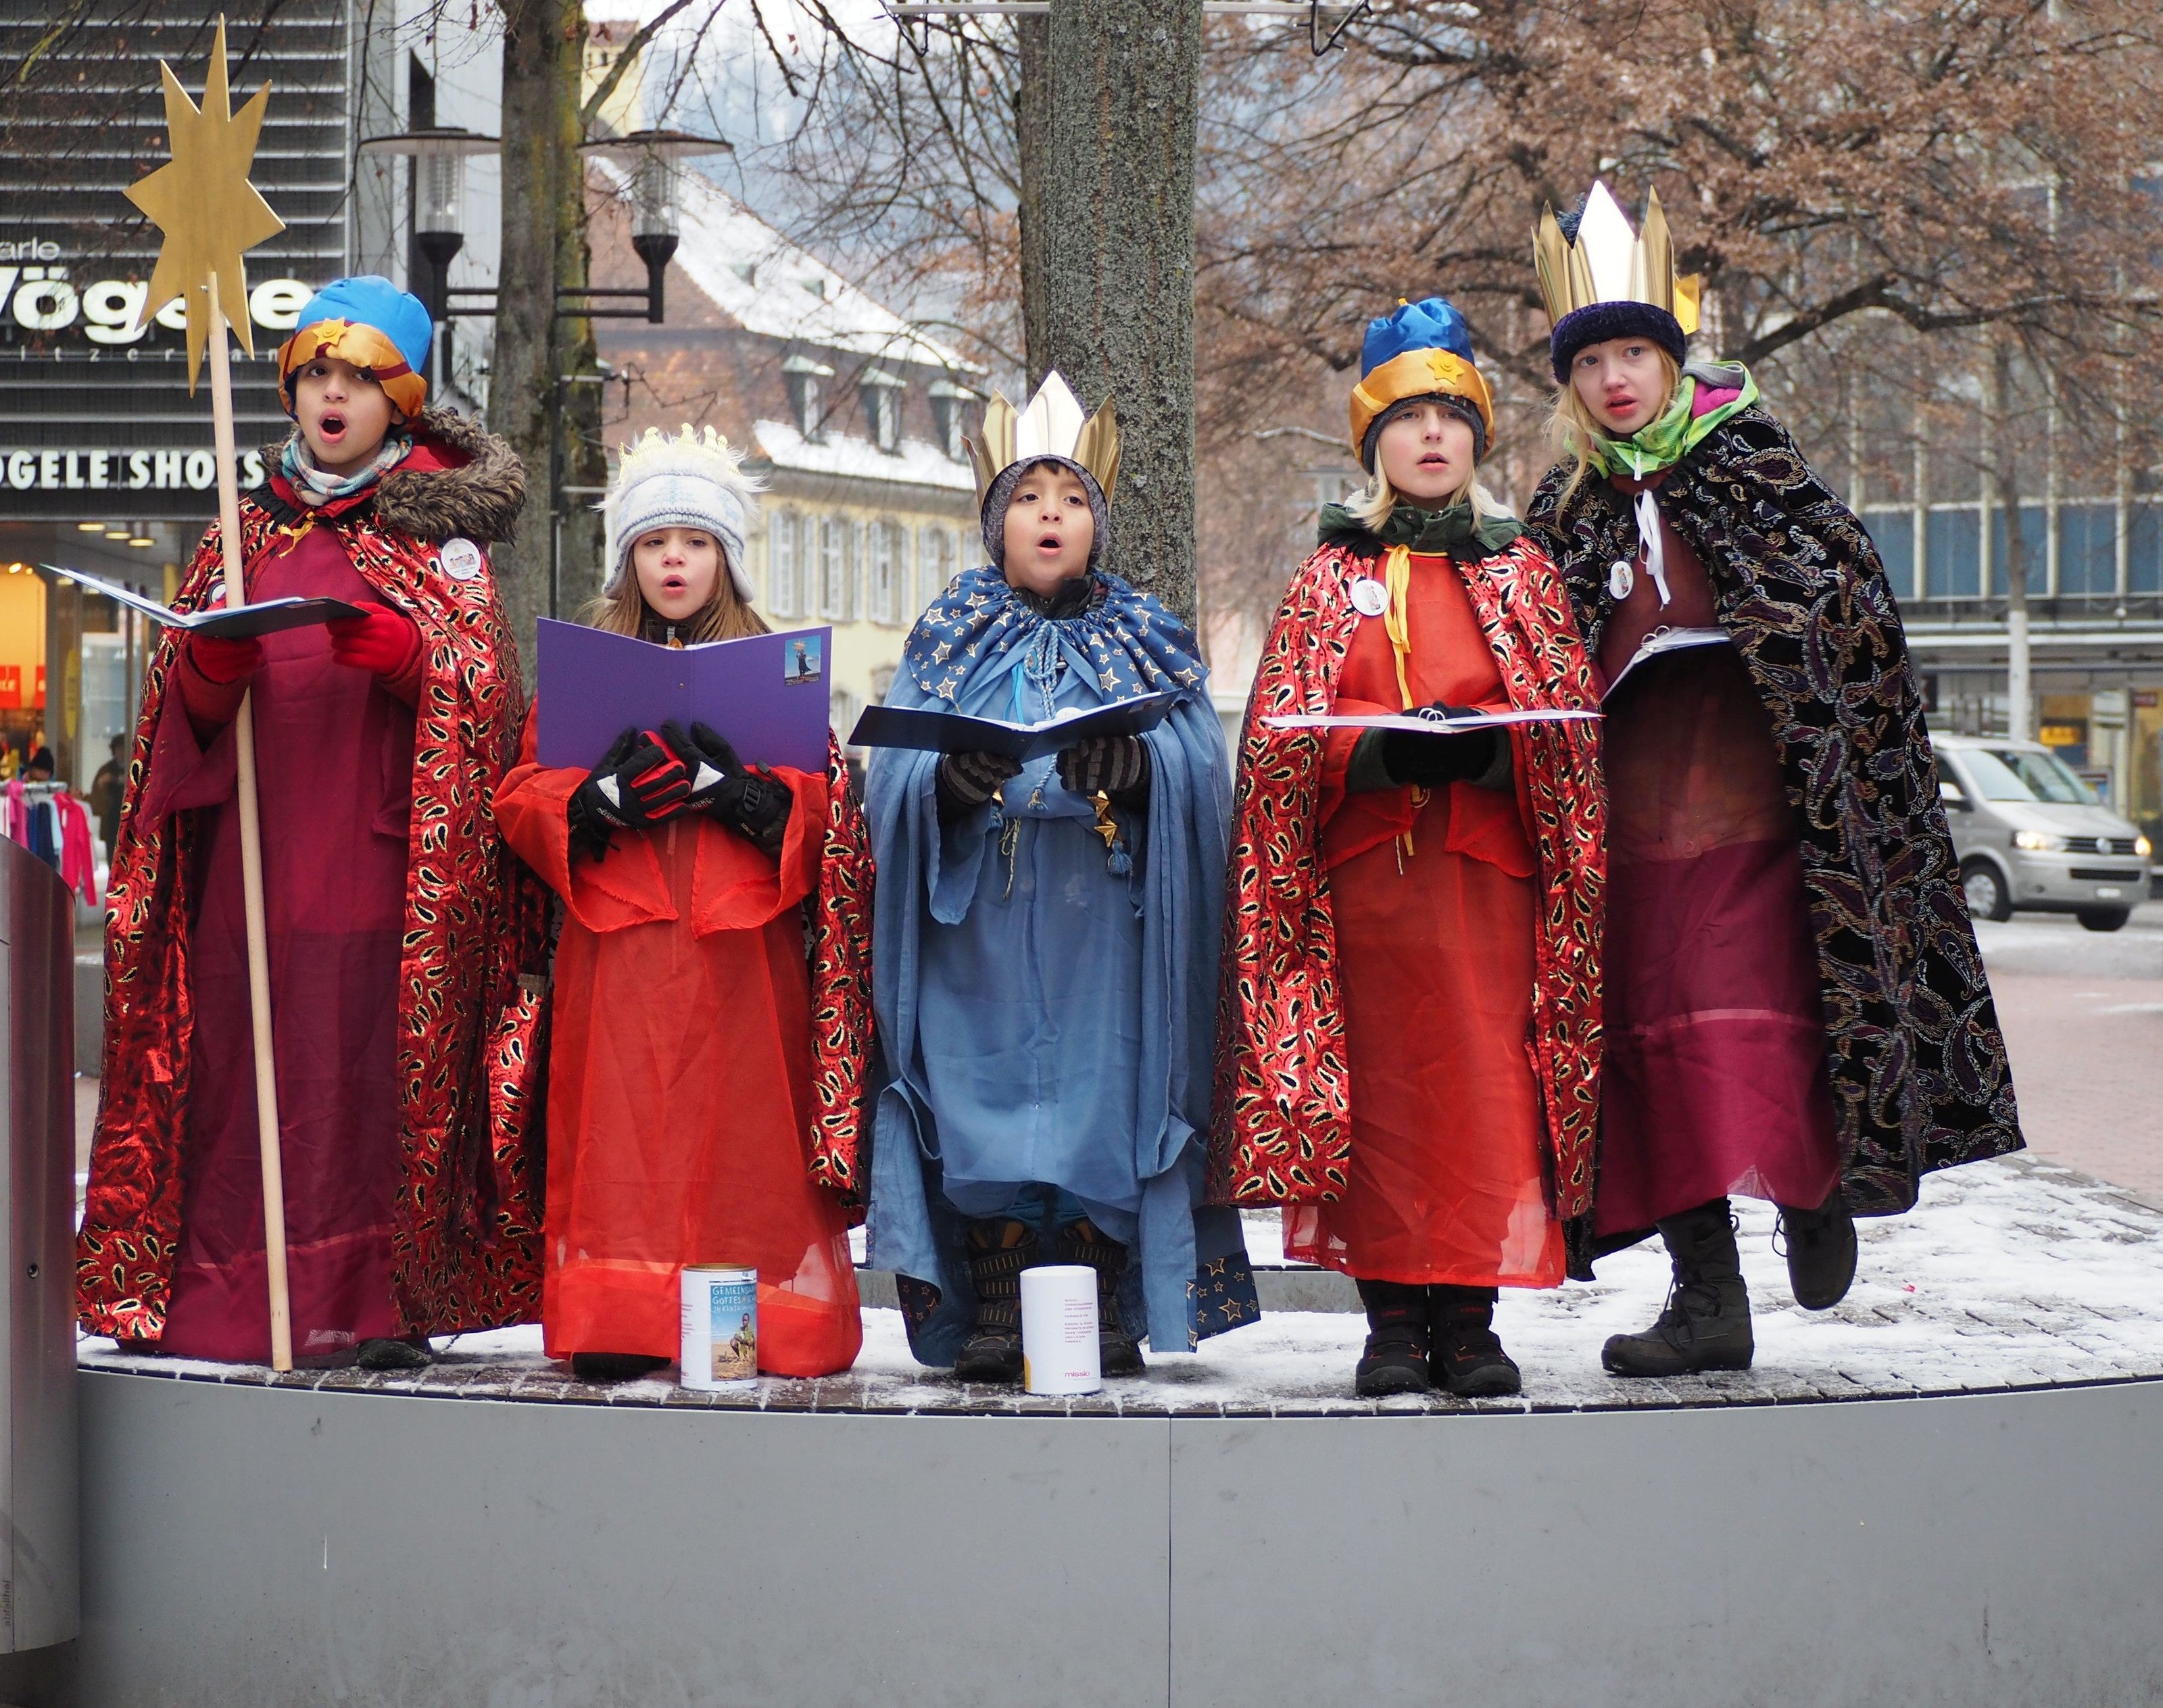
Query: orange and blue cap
{"points": [[369, 322], [1420, 349]]}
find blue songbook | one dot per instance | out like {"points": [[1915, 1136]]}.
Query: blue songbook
{"points": [[766, 694]]}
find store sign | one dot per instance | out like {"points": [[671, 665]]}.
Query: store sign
{"points": [[44, 471], [45, 299]]}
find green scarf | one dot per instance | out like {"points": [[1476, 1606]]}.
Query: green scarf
{"points": [[1662, 443], [1454, 532]]}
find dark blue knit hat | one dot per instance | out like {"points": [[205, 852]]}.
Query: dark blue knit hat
{"points": [[1598, 321]]}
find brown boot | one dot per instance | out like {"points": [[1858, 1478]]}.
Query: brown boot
{"points": [[1084, 1242], [999, 1250]]}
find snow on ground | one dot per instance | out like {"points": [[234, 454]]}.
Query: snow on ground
{"points": [[2011, 1274]]}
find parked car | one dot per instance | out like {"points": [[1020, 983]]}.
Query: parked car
{"points": [[2032, 837]]}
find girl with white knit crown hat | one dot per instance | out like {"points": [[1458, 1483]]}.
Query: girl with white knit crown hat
{"points": [[694, 1117]]}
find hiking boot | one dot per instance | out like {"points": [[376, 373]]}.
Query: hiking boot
{"points": [[1118, 1353], [1463, 1355], [999, 1250], [614, 1366], [382, 1353], [1706, 1323], [1395, 1361], [1821, 1251]]}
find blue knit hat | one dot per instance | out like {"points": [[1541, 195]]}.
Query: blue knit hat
{"points": [[1421, 350], [339, 321]]}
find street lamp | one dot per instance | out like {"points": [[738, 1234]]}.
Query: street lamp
{"points": [[652, 159], [438, 153]]}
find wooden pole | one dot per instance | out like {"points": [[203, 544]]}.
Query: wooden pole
{"points": [[251, 860]]}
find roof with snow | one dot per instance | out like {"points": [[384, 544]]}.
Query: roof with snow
{"points": [[912, 462], [767, 285]]}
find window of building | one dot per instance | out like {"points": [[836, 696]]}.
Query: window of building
{"points": [[784, 588], [935, 563], [2144, 549], [950, 416], [2088, 548], [1952, 561], [881, 392], [886, 572], [837, 569], [1892, 531], [2035, 537], [807, 395]]}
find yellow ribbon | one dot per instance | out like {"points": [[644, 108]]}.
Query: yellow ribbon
{"points": [[1397, 577]]}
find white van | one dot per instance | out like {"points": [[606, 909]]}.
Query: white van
{"points": [[2031, 835]]}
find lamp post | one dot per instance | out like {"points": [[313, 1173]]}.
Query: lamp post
{"points": [[652, 161], [438, 153]]}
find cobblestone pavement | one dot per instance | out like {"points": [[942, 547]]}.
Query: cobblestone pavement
{"points": [[2083, 1019], [2012, 1275]]}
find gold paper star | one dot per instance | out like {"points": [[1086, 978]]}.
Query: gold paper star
{"points": [[202, 201]]}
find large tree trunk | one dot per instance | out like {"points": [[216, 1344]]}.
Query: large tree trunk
{"points": [[1111, 300], [554, 426]]}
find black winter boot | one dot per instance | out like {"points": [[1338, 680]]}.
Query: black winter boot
{"points": [[614, 1366], [1463, 1355], [999, 1250], [1706, 1323], [1821, 1251], [1395, 1361], [1117, 1352]]}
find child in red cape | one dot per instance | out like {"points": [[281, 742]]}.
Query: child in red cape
{"points": [[706, 1071]]}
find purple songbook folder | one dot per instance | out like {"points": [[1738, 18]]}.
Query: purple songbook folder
{"points": [[766, 694]]}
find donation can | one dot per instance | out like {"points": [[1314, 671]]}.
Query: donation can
{"points": [[721, 1327], [1059, 1350]]}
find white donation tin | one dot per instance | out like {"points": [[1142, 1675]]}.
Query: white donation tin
{"points": [[721, 1327], [1059, 1350]]}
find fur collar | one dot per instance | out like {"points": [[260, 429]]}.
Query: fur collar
{"points": [[478, 498]]}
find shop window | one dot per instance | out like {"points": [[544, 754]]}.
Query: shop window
{"points": [[1952, 564]]}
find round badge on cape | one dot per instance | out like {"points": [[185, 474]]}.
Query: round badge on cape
{"points": [[1621, 577], [1370, 598], [461, 559]]}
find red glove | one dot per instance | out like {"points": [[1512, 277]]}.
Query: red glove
{"points": [[383, 641], [225, 662]]}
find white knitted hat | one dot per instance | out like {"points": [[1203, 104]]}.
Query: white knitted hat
{"points": [[692, 480]]}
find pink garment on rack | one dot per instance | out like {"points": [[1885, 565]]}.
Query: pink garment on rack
{"points": [[78, 858], [17, 812]]}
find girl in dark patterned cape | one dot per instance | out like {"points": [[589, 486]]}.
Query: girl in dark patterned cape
{"points": [[1045, 955], [1410, 1051], [711, 1011], [398, 926], [1796, 1008]]}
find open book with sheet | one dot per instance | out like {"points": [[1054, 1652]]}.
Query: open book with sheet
{"points": [[951, 732], [1661, 643], [766, 694], [1425, 723], [266, 616]]}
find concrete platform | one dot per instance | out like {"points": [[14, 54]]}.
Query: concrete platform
{"points": [[1944, 1494]]}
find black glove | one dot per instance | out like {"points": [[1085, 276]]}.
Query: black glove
{"points": [[1428, 761], [638, 783], [966, 780], [725, 789], [1115, 765]]}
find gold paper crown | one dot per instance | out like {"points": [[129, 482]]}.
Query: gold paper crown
{"points": [[1052, 426], [1610, 263]]}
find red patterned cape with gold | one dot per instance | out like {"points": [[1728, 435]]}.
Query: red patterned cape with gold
{"points": [[465, 1246], [841, 941], [1282, 1130]]}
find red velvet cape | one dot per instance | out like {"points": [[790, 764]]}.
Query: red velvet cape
{"points": [[1281, 1125], [466, 1244]]}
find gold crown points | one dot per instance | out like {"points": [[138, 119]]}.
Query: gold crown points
{"points": [[1053, 425], [1610, 263]]}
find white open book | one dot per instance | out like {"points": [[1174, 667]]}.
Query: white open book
{"points": [[1660, 642], [232, 622], [1425, 723]]}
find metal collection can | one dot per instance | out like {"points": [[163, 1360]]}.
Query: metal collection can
{"points": [[721, 1327]]}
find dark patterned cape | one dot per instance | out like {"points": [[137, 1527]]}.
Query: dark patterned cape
{"points": [[1916, 1061], [1283, 1109], [466, 1240]]}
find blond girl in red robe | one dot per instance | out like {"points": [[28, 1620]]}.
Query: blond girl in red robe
{"points": [[693, 1115], [1412, 1001]]}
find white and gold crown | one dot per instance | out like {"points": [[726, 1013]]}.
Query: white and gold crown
{"points": [[1610, 263], [1052, 426]]}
